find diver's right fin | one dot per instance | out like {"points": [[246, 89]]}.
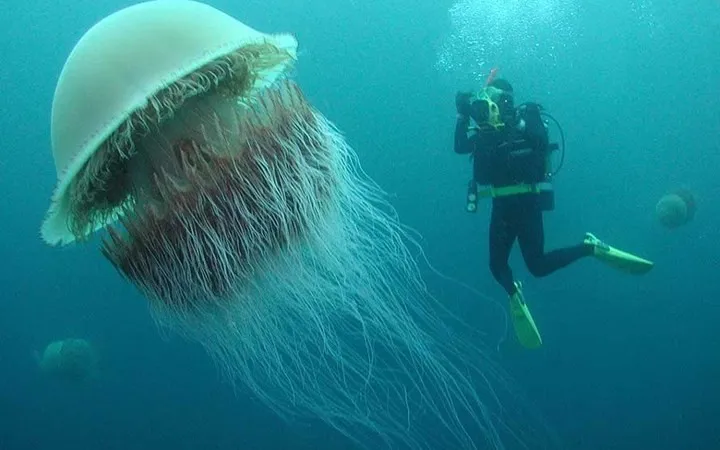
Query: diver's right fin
{"points": [[616, 258]]}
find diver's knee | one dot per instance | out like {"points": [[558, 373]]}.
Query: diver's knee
{"points": [[536, 267]]}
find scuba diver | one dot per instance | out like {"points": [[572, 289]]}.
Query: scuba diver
{"points": [[510, 150]]}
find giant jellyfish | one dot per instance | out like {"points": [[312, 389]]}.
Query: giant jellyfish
{"points": [[243, 217]]}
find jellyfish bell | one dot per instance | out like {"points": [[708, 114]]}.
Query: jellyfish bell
{"points": [[242, 215], [108, 92], [676, 208], [69, 359], [671, 211]]}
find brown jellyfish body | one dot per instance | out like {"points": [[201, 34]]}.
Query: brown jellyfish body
{"points": [[242, 215], [676, 208]]}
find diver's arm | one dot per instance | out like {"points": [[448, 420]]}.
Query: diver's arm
{"points": [[463, 143]]}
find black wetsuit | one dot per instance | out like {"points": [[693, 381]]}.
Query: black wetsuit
{"points": [[506, 158]]}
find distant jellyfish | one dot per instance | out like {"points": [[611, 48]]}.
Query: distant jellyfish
{"points": [[243, 216], [676, 208], [69, 359]]}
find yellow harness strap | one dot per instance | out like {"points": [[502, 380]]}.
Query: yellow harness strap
{"points": [[516, 189]]}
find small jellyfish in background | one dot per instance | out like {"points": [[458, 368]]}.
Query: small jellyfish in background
{"points": [[676, 208], [69, 359]]}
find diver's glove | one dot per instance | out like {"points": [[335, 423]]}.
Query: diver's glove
{"points": [[462, 103]]}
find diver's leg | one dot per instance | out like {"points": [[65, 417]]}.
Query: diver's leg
{"points": [[531, 236], [523, 323], [502, 237]]}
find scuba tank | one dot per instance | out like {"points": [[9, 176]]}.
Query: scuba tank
{"points": [[542, 119]]}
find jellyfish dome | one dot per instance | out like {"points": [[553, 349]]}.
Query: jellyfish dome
{"points": [[242, 215], [676, 208], [69, 359]]}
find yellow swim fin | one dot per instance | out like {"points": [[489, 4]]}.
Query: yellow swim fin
{"points": [[525, 328], [617, 258]]}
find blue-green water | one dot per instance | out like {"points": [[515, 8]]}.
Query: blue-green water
{"points": [[627, 363]]}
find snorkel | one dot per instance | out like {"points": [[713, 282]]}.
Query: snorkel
{"points": [[491, 77]]}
